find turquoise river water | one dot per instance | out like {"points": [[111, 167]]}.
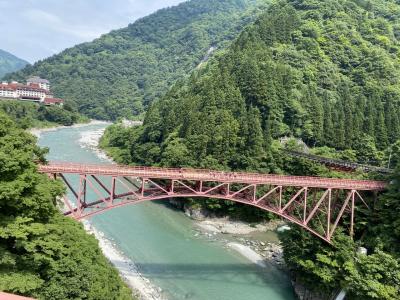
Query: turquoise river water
{"points": [[163, 244]]}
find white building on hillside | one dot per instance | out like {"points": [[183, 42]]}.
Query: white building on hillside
{"points": [[7, 92], [42, 83], [16, 90], [35, 90]]}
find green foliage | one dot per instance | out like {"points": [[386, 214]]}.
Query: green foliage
{"points": [[376, 276], [28, 114], [10, 63], [386, 218], [325, 72], [122, 72], [326, 269], [297, 72], [43, 254], [116, 141]]}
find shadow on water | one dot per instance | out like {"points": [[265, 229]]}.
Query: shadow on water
{"points": [[228, 273]]}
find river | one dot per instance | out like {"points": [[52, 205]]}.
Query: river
{"points": [[164, 245]]}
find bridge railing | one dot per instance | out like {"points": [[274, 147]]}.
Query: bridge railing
{"points": [[298, 199], [210, 175]]}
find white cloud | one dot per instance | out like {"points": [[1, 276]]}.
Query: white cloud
{"points": [[39, 28], [55, 23], [37, 15]]}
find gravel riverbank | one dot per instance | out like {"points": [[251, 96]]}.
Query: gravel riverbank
{"points": [[38, 131], [141, 286], [236, 236]]}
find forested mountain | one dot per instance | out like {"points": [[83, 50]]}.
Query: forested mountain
{"points": [[122, 72], [10, 63], [42, 253], [326, 72]]}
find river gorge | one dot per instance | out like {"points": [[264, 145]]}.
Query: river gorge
{"points": [[160, 251]]}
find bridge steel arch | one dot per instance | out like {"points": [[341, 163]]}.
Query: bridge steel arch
{"points": [[316, 204]]}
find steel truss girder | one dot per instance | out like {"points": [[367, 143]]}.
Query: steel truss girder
{"points": [[301, 205]]}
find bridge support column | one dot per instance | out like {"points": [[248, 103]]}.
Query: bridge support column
{"points": [[112, 193], [305, 205], [352, 213], [81, 194], [339, 216], [142, 187], [328, 217]]}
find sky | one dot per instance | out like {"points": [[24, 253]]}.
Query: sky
{"points": [[36, 29]]}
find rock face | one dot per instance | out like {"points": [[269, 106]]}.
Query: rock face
{"points": [[274, 253], [196, 213], [176, 203], [304, 294]]}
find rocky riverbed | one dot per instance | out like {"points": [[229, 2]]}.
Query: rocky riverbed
{"points": [[237, 232]]}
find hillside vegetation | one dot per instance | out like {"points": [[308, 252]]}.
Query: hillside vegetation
{"points": [[29, 115], [326, 72], [42, 253], [10, 63], [317, 70], [120, 73]]}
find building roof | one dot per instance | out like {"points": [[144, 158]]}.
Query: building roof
{"points": [[37, 79], [5, 296], [36, 85], [18, 86], [53, 100], [5, 87]]}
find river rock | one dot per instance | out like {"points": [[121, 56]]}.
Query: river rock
{"points": [[196, 213], [303, 294], [176, 203]]}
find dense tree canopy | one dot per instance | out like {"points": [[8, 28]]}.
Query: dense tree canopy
{"points": [[325, 72], [28, 114], [299, 73], [122, 72], [316, 70], [43, 254]]}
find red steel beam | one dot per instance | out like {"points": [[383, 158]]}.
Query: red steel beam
{"points": [[184, 183], [208, 175]]}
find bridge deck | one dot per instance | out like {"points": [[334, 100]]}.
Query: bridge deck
{"points": [[209, 175]]}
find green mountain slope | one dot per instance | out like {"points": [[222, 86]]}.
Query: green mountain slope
{"points": [[10, 63], [324, 71], [123, 71]]}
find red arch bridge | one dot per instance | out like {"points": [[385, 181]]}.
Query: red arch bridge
{"points": [[316, 204]]}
